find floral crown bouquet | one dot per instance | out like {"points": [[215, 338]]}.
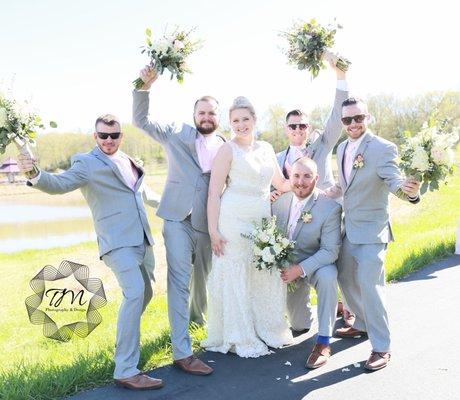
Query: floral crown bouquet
{"points": [[428, 155], [170, 52], [271, 248], [19, 125], [309, 44]]}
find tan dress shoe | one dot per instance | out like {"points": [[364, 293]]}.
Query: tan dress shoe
{"points": [[377, 361], [350, 332], [140, 382], [193, 365], [319, 356], [348, 318]]}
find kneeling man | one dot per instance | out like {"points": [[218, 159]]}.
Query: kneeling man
{"points": [[313, 221]]}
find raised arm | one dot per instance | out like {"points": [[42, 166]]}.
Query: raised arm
{"points": [[333, 128], [141, 103], [219, 172], [75, 177]]}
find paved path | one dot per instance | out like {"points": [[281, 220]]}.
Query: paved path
{"points": [[425, 324]]}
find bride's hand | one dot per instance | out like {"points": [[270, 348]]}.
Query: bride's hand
{"points": [[217, 243]]}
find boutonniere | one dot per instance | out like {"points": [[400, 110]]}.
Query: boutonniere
{"points": [[306, 217], [359, 161]]}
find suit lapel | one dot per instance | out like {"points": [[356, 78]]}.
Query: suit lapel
{"points": [[107, 161], [191, 142], [361, 150], [286, 212], [340, 153], [140, 172], [308, 206]]}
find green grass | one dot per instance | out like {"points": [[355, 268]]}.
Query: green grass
{"points": [[34, 367]]}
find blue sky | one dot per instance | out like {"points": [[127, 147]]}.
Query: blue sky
{"points": [[76, 59]]}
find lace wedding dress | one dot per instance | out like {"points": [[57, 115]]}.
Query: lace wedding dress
{"points": [[246, 307]]}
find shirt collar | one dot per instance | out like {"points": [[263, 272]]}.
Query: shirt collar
{"points": [[304, 201], [357, 142]]}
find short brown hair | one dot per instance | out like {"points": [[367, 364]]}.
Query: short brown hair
{"points": [[297, 113], [209, 99], [107, 119]]}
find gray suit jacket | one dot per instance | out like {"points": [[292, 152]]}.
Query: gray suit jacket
{"points": [[321, 149], [118, 211], [365, 196], [186, 186], [317, 243]]}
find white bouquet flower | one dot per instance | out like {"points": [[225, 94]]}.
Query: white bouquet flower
{"points": [[428, 156], [271, 248], [170, 52]]}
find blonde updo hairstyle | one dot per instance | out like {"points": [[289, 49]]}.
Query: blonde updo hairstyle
{"points": [[242, 102]]}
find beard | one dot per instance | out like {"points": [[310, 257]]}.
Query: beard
{"points": [[207, 130], [303, 191]]}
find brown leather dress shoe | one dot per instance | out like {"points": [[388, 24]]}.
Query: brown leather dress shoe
{"points": [[348, 318], [193, 365], [140, 382], [340, 309], [350, 332], [319, 356], [377, 361]]}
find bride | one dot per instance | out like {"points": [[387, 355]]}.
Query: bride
{"points": [[246, 307]]}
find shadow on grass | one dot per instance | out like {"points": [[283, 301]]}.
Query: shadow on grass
{"points": [[88, 371], [420, 259]]}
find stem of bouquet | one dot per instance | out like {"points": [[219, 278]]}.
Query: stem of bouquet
{"points": [[341, 62], [24, 148]]}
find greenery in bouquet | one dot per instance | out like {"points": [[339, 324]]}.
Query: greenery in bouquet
{"points": [[271, 248], [428, 155], [309, 43], [18, 123], [169, 53]]}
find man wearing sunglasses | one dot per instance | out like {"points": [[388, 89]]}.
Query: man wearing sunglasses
{"points": [[318, 148], [368, 172], [112, 185]]}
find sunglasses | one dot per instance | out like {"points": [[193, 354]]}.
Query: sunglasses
{"points": [[293, 127], [104, 136], [357, 118]]}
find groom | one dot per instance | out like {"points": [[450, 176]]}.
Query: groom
{"points": [[111, 183], [313, 221], [190, 151], [368, 172]]}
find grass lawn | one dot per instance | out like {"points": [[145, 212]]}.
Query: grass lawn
{"points": [[33, 367]]}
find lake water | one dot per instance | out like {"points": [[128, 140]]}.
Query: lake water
{"points": [[28, 226]]}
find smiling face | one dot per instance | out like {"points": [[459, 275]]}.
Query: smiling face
{"points": [[242, 122], [303, 177], [108, 146], [355, 129], [206, 116], [299, 135]]}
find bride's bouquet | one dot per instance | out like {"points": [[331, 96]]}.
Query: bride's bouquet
{"points": [[428, 155], [271, 248], [19, 125], [170, 52], [309, 44]]}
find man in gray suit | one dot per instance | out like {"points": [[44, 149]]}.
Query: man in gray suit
{"points": [[313, 221], [190, 151], [112, 185], [368, 172]]}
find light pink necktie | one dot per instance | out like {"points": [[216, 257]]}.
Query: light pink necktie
{"points": [[348, 164], [294, 218]]}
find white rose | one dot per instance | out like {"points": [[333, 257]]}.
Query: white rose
{"points": [[267, 256], [3, 117], [263, 237], [439, 155], [285, 242], [178, 45], [257, 251], [420, 160], [278, 248]]}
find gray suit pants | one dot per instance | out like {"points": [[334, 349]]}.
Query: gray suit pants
{"points": [[362, 279], [133, 268], [186, 248], [324, 280]]}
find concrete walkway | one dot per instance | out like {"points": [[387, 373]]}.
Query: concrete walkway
{"points": [[425, 323]]}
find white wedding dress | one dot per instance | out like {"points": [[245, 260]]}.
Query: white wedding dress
{"points": [[246, 307]]}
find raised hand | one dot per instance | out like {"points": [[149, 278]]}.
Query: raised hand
{"points": [[26, 163], [148, 76], [411, 187], [332, 59]]}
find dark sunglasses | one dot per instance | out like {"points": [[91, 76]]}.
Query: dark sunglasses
{"points": [[293, 127], [357, 118], [103, 135]]}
